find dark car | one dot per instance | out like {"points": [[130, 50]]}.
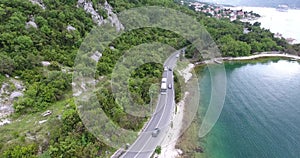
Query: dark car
{"points": [[155, 132], [170, 86]]}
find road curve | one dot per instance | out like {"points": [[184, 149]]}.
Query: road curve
{"points": [[145, 144]]}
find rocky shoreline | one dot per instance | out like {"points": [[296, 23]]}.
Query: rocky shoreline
{"points": [[251, 57]]}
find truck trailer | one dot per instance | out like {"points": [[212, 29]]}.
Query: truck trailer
{"points": [[163, 88]]}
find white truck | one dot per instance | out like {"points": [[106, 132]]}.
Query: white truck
{"points": [[163, 88]]}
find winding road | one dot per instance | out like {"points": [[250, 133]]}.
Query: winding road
{"points": [[145, 144]]}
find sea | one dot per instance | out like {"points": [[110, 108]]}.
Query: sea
{"points": [[286, 23], [261, 113]]}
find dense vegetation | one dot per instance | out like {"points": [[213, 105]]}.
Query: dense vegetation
{"points": [[241, 39], [22, 48]]}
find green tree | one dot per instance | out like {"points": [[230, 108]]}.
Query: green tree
{"points": [[231, 47], [23, 43], [256, 47], [7, 64], [158, 150]]}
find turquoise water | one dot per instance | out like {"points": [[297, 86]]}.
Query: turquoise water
{"points": [[261, 114]]}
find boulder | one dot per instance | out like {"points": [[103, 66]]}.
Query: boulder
{"points": [[15, 95], [30, 24], [45, 63], [71, 28]]}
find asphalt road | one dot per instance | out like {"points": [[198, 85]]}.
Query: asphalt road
{"points": [[145, 144]]}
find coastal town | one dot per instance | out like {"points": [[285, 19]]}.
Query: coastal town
{"points": [[220, 11], [223, 11]]}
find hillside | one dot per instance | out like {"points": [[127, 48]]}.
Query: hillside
{"points": [[39, 40]]}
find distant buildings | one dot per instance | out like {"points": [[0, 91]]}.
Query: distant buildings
{"points": [[218, 11], [283, 8]]}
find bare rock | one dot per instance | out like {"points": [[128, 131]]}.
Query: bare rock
{"points": [[18, 84], [59, 117], [88, 7], [111, 47], [43, 121], [71, 28], [98, 19], [15, 95], [180, 152], [3, 89], [4, 122], [112, 17], [30, 24], [39, 3], [96, 56], [45, 63], [47, 113], [7, 97]]}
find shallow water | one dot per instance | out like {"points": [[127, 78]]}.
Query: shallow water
{"points": [[261, 114]]}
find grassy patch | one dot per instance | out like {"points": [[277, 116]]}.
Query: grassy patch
{"points": [[181, 65], [27, 129], [188, 142], [2, 78]]}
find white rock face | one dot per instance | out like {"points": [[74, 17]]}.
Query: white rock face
{"points": [[80, 1], [112, 17], [7, 98], [98, 19], [88, 7], [3, 89], [39, 3]]}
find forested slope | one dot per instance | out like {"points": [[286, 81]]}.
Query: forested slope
{"points": [[30, 34]]}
